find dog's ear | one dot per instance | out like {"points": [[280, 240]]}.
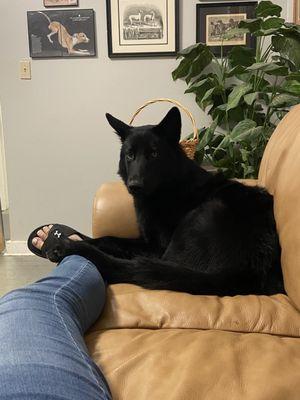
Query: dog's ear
{"points": [[120, 127], [170, 126]]}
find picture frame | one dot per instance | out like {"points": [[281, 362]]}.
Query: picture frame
{"points": [[214, 19], [60, 3], [61, 33], [297, 12], [142, 28]]}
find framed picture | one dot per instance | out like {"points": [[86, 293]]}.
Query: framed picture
{"points": [[214, 20], [61, 33], [297, 12], [142, 28], [60, 3]]}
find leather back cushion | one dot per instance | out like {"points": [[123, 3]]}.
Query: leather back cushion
{"points": [[280, 174], [113, 212]]}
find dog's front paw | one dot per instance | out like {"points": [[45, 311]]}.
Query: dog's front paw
{"points": [[59, 250], [56, 254]]}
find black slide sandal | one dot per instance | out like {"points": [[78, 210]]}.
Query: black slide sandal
{"points": [[57, 230]]}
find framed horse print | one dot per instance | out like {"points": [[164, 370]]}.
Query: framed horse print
{"points": [[142, 28], [214, 20]]}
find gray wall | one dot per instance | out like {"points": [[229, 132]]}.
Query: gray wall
{"points": [[59, 147]]}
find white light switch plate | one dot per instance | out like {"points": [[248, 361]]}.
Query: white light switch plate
{"points": [[25, 69]]}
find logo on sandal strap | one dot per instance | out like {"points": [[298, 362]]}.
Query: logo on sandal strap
{"points": [[58, 234]]}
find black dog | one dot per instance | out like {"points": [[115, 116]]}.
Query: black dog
{"points": [[200, 233]]}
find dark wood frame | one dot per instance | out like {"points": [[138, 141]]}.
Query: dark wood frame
{"points": [[223, 8], [111, 54], [62, 5]]}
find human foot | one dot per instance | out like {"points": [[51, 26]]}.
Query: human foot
{"points": [[42, 235]]}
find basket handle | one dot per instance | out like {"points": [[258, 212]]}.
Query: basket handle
{"points": [[189, 114]]}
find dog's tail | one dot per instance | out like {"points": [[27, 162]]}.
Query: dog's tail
{"points": [[45, 15]]}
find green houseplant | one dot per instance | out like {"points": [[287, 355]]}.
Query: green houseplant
{"points": [[246, 93]]}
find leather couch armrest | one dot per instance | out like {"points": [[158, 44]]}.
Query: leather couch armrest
{"points": [[113, 212]]}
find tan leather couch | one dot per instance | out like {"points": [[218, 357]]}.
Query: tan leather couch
{"points": [[161, 345]]}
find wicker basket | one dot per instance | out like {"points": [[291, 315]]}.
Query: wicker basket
{"points": [[189, 146]]}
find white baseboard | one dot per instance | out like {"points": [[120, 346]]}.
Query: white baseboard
{"points": [[17, 248]]}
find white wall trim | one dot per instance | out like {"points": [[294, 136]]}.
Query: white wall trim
{"points": [[3, 175], [290, 11], [17, 248]]}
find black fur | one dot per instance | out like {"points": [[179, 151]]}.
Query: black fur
{"points": [[200, 233]]}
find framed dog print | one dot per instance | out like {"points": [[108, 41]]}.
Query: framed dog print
{"points": [[297, 12], [61, 33], [215, 20], [60, 3], [142, 28]]}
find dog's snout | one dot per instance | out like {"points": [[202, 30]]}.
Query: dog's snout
{"points": [[135, 186]]}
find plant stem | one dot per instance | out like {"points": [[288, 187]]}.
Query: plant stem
{"points": [[268, 116]]}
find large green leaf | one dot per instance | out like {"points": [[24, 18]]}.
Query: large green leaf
{"points": [[195, 87], [182, 70], [284, 100], [208, 135], [249, 135], [237, 70], [191, 56], [266, 32], [252, 25], [288, 47], [208, 94], [205, 98], [219, 112], [272, 23], [191, 50], [240, 55], [200, 93], [237, 114], [245, 154], [242, 127], [250, 98], [280, 60], [224, 143], [292, 87], [294, 76], [199, 63], [269, 68], [268, 9], [237, 93], [270, 26]]}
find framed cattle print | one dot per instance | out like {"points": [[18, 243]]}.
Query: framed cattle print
{"points": [[142, 28], [61, 33], [214, 20]]}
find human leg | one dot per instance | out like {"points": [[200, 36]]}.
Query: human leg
{"points": [[42, 350]]}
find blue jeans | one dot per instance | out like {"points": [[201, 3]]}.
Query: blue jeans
{"points": [[42, 351]]}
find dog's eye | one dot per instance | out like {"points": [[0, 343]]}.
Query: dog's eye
{"points": [[154, 154], [129, 156]]}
